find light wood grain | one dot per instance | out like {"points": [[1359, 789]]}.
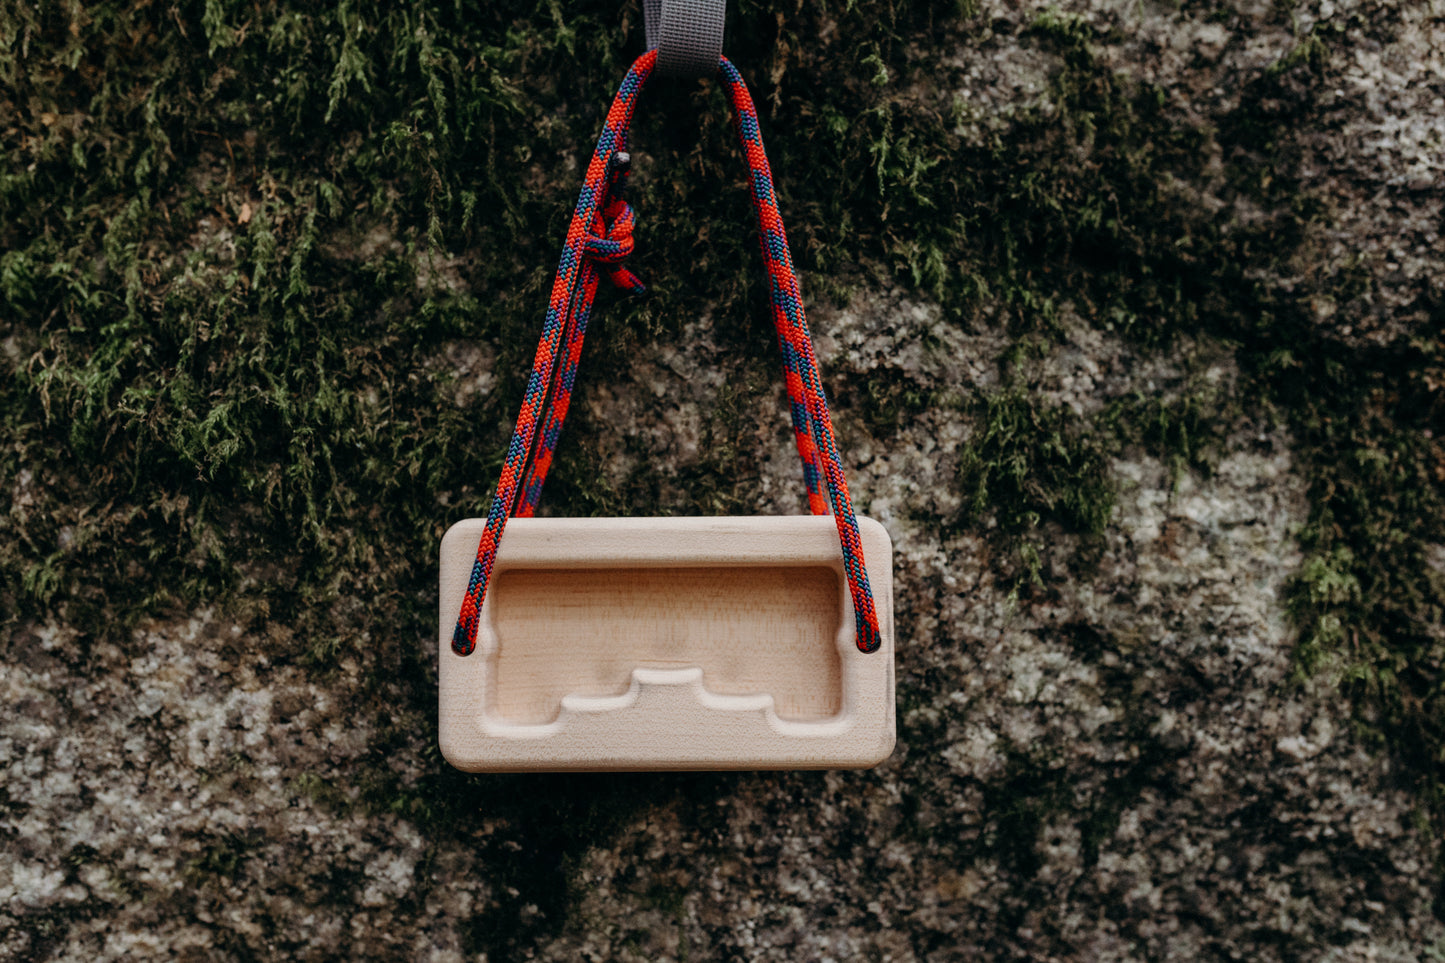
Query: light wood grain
{"points": [[666, 643], [755, 629]]}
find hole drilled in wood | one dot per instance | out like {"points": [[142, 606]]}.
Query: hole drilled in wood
{"points": [[765, 629]]}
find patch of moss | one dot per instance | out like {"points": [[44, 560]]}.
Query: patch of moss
{"points": [[1029, 464], [1187, 431], [1370, 596]]}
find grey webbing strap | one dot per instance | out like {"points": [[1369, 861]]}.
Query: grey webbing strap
{"points": [[652, 19], [688, 35]]}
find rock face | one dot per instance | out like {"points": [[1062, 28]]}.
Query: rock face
{"points": [[1109, 746]]}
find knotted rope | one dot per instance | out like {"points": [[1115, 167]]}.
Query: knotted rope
{"points": [[598, 239]]}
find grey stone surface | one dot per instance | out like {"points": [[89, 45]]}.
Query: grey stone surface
{"points": [[1120, 766]]}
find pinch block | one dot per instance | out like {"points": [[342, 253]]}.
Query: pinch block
{"points": [[666, 643]]}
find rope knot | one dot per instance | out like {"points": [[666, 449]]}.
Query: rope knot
{"points": [[610, 243]]}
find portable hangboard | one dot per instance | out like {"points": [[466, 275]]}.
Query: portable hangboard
{"points": [[665, 643]]}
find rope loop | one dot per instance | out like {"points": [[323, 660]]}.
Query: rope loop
{"points": [[599, 239]]}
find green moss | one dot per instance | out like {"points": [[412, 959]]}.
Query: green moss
{"points": [[1368, 599], [1187, 430], [1028, 464]]}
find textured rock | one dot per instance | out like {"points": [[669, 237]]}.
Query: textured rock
{"points": [[1117, 761]]}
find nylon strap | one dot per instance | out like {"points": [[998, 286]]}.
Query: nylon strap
{"points": [[598, 239], [687, 34], [652, 20]]}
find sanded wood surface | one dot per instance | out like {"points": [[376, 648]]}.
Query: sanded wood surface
{"points": [[763, 629]]}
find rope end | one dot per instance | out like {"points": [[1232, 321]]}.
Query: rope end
{"points": [[464, 636]]}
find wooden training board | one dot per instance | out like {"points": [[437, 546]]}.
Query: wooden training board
{"points": [[666, 643]]}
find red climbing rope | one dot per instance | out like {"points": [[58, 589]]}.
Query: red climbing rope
{"points": [[599, 238]]}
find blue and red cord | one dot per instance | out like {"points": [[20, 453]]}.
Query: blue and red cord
{"points": [[598, 239]]}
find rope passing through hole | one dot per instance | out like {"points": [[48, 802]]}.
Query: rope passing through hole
{"points": [[599, 238]]}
